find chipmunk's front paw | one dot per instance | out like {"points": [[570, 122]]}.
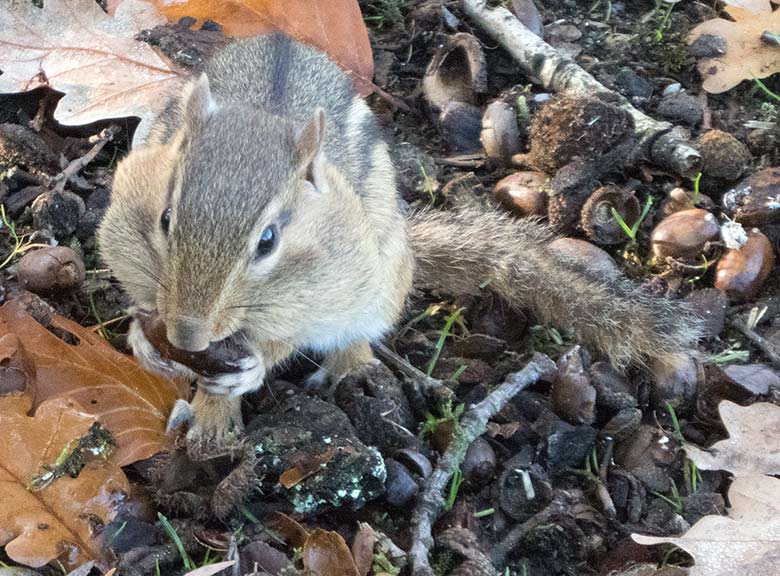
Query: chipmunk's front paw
{"points": [[215, 424]]}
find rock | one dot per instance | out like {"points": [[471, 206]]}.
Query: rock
{"points": [[647, 455], [303, 426], [260, 556], [754, 200], [51, 270], [711, 305], [528, 14], [675, 383], [461, 125], [568, 446], [685, 234], [741, 272], [757, 379], [523, 193], [681, 107], [724, 158], [58, 212], [633, 86], [500, 135]]}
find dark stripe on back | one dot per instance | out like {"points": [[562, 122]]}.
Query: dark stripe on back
{"points": [[280, 61]]}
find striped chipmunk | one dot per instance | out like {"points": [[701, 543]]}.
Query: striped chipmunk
{"points": [[264, 203]]}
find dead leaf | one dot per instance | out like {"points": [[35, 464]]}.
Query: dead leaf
{"points": [[131, 403], [293, 533], [747, 56], [746, 543], [211, 569], [305, 467], [752, 447], [363, 549], [741, 9], [334, 26], [326, 553], [76, 48], [58, 521]]}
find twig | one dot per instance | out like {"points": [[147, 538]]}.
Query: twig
{"points": [[425, 382], [659, 142], [75, 166], [759, 341], [473, 424]]}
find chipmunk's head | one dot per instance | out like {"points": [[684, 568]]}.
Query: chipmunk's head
{"points": [[222, 226]]}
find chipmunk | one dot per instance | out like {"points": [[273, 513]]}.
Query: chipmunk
{"points": [[264, 203]]}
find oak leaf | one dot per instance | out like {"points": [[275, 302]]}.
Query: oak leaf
{"points": [[747, 542], [325, 553], [130, 402], [742, 9], [334, 26], [746, 55], [59, 520], [77, 49], [752, 447]]}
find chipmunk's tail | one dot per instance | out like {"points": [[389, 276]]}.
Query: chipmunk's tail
{"points": [[457, 251]]}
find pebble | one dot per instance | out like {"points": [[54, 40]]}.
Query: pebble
{"points": [[681, 107]]}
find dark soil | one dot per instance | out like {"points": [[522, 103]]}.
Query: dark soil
{"points": [[548, 460]]}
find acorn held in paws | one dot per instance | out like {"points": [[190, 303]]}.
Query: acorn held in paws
{"points": [[222, 357]]}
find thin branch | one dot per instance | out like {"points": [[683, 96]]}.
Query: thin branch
{"points": [[759, 341], [473, 424], [75, 166], [659, 142]]}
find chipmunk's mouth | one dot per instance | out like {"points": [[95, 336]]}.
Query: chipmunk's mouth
{"points": [[226, 356]]}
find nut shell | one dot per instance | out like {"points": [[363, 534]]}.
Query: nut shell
{"points": [[754, 201], [741, 273], [685, 234], [597, 219], [523, 193], [457, 72], [500, 135], [51, 270], [223, 357]]}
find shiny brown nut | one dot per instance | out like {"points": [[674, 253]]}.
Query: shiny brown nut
{"points": [[685, 234], [753, 201], [500, 135], [741, 272], [51, 270], [585, 254], [522, 193], [479, 464], [223, 357]]}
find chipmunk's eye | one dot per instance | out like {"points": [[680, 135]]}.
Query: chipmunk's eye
{"points": [[165, 220], [267, 243]]}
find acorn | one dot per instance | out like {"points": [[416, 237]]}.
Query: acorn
{"points": [[51, 270], [523, 193], [586, 254], [500, 135], [597, 219], [456, 73], [675, 382], [741, 272], [400, 487], [685, 234], [223, 357], [479, 464]]}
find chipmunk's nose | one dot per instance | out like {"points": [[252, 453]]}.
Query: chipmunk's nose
{"points": [[188, 334]]}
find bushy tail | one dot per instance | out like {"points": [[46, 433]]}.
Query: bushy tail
{"points": [[457, 251]]}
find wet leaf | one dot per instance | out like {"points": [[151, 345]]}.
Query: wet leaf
{"points": [[131, 403], [334, 26], [752, 444], [326, 554], [305, 466], [747, 542], [76, 48], [58, 521], [746, 57], [363, 549]]}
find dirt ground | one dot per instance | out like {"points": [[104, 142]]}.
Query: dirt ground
{"points": [[595, 478]]}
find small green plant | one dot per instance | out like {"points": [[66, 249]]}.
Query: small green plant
{"points": [[548, 339], [677, 432], [457, 480], [692, 476], [382, 14], [766, 90], [442, 337], [14, 236], [185, 558], [458, 373], [674, 499], [659, 32], [731, 354], [448, 414], [523, 112], [632, 230], [696, 182], [485, 512]]}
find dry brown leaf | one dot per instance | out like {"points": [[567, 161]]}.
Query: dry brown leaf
{"points": [[742, 9], [363, 548], [747, 542], [326, 554], [74, 47], [131, 403], [747, 56], [304, 467], [59, 520], [752, 447], [334, 26]]}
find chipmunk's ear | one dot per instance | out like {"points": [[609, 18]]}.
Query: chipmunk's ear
{"points": [[197, 102], [309, 144]]}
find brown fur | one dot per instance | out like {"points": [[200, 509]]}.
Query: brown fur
{"points": [[272, 133]]}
